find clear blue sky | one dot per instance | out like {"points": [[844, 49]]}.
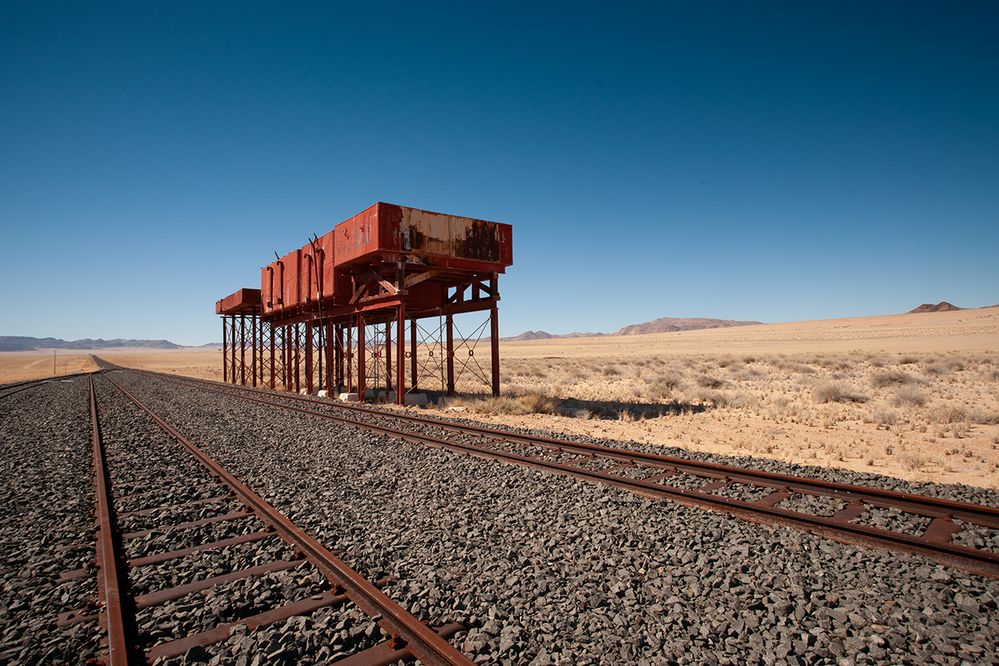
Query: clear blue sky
{"points": [[720, 159]]}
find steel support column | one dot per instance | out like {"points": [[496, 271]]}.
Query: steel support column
{"points": [[272, 356], [388, 358], [330, 358], [242, 349], [225, 353], [350, 358], [400, 356], [361, 379], [286, 371], [309, 360], [494, 344], [449, 318], [253, 353], [297, 328], [340, 351], [232, 348], [413, 383]]}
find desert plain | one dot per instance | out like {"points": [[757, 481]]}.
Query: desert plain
{"points": [[914, 396]]}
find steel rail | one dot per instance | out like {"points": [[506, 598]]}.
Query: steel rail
{"points": [[405, 630], [108, 576], [31, 383], [981, 562]]}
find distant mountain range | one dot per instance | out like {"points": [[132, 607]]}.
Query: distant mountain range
{"points": [[26, 343], [661, 325]]}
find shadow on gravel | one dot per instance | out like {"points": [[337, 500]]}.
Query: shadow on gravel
{"points": [[576, 408], [614, 409]]}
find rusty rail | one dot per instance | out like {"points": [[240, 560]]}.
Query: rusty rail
{"points": [[409, 638], [17, 387], [109, 582], [935, 542]]}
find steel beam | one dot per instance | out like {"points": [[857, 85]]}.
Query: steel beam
{"points": [[449, 352], [253, 353], [494, 345], [225, 353], [242, 349], [400, 357], [309, 360], [361, 379], [413, 367], [272, 356]]}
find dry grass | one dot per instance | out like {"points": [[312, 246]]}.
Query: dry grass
{"points": [[515, 405], [837, 392]]}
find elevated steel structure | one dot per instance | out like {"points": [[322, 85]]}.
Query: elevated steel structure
{"points": [[333, 314]]}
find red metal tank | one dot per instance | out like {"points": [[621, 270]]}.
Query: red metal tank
{"points": [[243, 301], [387, 232]]}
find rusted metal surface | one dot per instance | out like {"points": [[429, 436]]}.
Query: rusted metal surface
{"points": [[650, 475], [418, 236], [109, 578], [242, 301], [417, 640]]}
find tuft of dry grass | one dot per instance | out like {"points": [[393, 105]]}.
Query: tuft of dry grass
{"points": [[946, 413], [836, 392], [891, 377], [883, 416], [518, 405], [709, 382], [908, 396], [913, 461]]}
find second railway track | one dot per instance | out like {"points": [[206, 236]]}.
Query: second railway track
{"points": [[932, 527], [158, 508]]}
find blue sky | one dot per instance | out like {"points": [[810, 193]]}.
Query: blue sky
{"points": [[777, 162]]}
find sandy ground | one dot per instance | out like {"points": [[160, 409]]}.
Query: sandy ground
{"points": [[914, 396], [22, 366]]}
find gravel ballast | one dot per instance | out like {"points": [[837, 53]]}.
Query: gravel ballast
{"points": [[46, 494], [552, 570]]}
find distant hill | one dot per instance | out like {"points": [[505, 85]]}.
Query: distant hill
{"points": [[545, 335], [661, 325], [26, 343], [942, 306], [672, 324]]}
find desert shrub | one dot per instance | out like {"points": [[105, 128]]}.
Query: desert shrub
{"points": [[936, 369], [884, 417], [707, 381], [913, 461], [611, 370], [908, 396], [945, 413], [983, 417], [730, 399], [836, 392], [907, 360], [889, 377], [527, 403], [878, 360]]}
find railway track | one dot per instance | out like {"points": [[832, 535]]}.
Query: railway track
{"points": [[7, 390], [834, 510], [138, 494]]}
